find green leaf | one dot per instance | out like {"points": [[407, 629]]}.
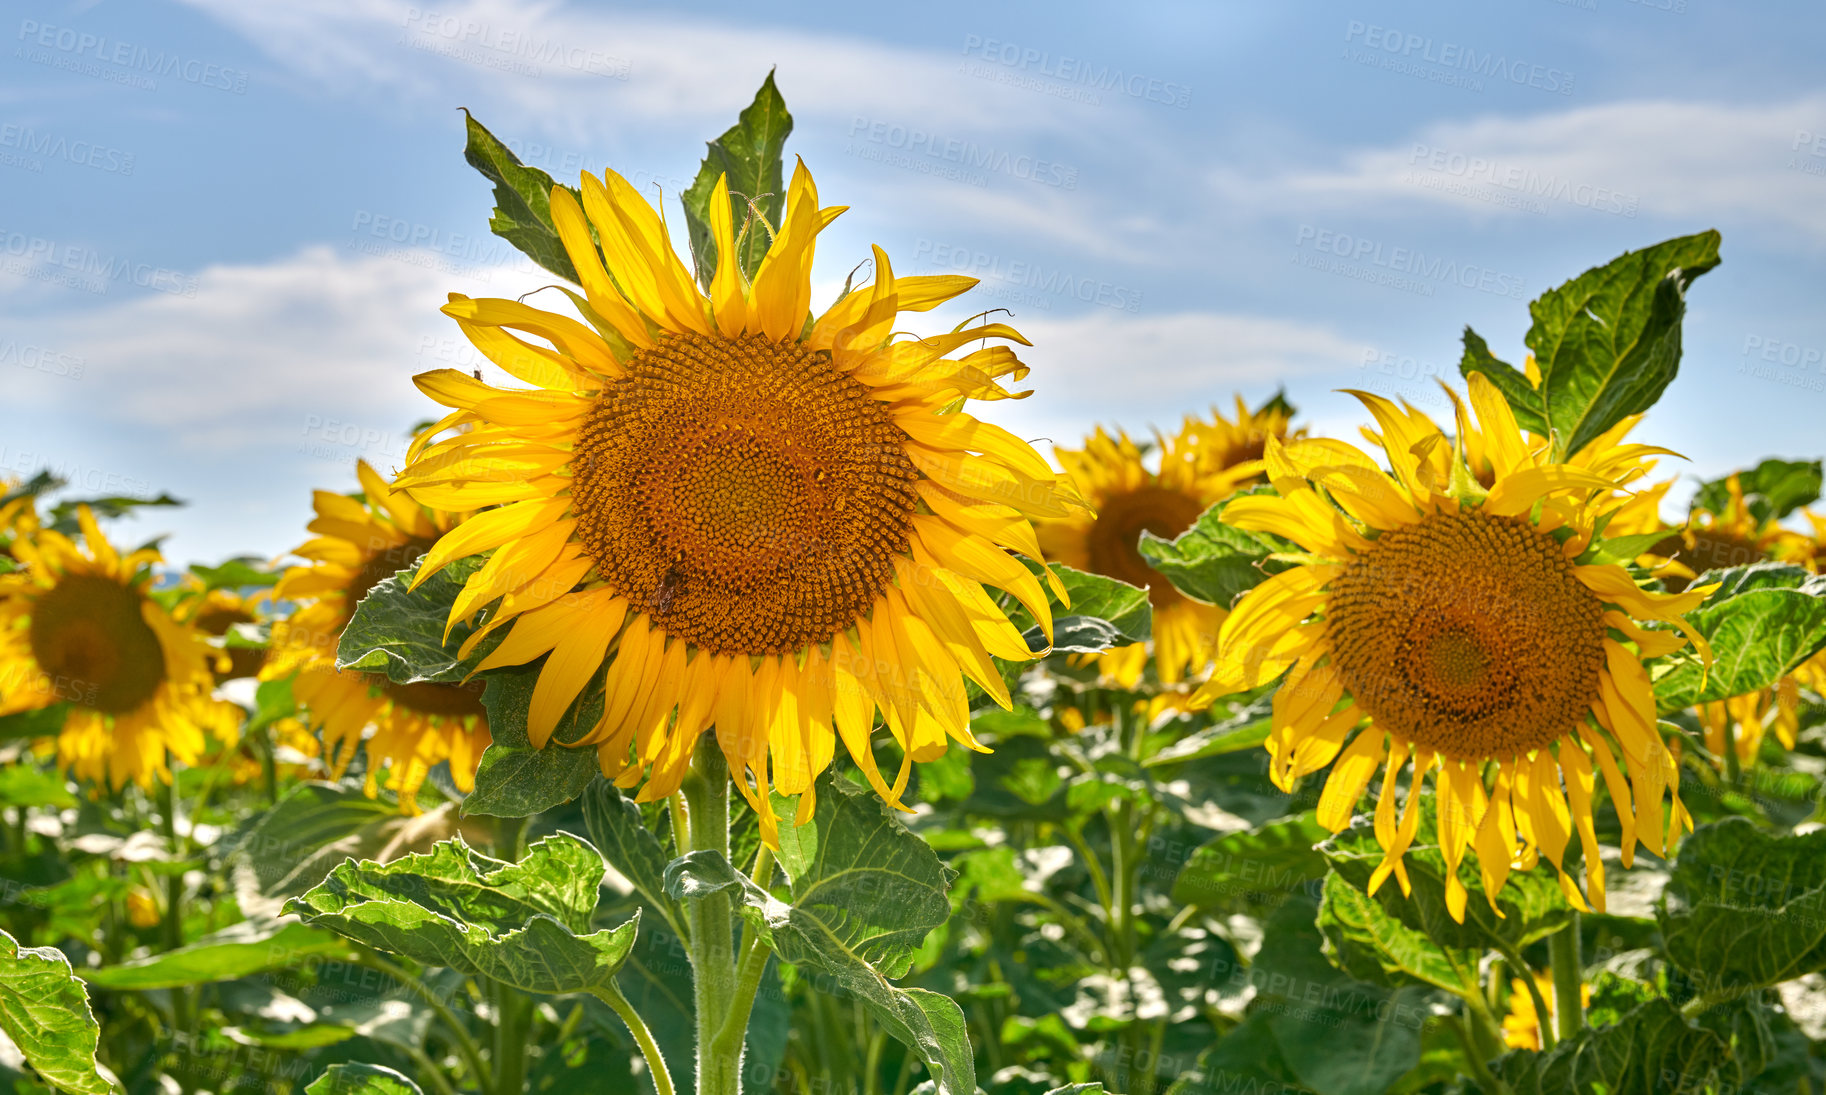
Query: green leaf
{"points": [[1212, 561], [854, 866], [41, 483], [273, 700], [1772, 490], [1247, 870], [1650, 1051], [401, 633], [751, 154], [239, 950], [1743, 907], [1758, 630], [289, 847], [1246, 729], [1525, 403], [1104, 613], [24, 784], [1531, 902], [63, 514], [522, 923], [615, 828], [1336, 1035], [1607, 343], [237, 573], [523, 200], [1621, 549], [865, 894], [42, 722], [350, 1078], [1363, 939], [515, 780], [45, 1011]]}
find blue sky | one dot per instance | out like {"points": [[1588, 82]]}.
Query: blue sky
{"points": [[227, 226]]}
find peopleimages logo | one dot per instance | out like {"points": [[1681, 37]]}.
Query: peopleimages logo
{"points": [[964, 155], [1403, 268], [1523, 181], [34, 147], [1410, 49], [132, 65], [1078, 72]]}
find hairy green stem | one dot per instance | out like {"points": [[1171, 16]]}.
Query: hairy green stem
{"points": [[1568, 977], [649, 1049], [713, 923], [434, 1074], [1480, 1070], [513, 1015], [729, 1038], [174, 908]]}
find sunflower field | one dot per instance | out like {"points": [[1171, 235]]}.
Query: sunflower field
{"points": [[722, 702]]}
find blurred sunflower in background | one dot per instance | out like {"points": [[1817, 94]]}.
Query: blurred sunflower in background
{"points": [[1732, 537], [409, 728], [1522, 1025], [762, 520], [1738, 536], [1202, 464], [1452, 626], [216, 613], [78, 626]]}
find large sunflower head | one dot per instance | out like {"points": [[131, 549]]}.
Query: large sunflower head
{"points": [[77, 626], [767, 522], [1162, 492], [409, 728], [1439, 622]]}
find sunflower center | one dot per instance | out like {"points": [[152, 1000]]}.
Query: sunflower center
{"points": [[747, 494], [1468, 634], [1122, 518], [444, 700], [88, 636], [244, 661]]}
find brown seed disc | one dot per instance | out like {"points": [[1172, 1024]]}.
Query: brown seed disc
{"points": [[89, 637], [1122, 518], [746, 493], [1468, 634], [426, 698]]}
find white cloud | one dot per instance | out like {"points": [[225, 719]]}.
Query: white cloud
{"points": [[1689, 160], [257, 351], [538, 59], [1138, 371]]}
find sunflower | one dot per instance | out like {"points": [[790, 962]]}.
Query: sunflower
{"points": [[1204, 463], [1733, 537], [215, 613], [1736, 537], [414, 726], [764, 521], [78, 626], [1639, 514], [1454, 626]]}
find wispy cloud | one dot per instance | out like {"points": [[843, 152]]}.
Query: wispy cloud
{"points": [[535, 59], [1663, 158], [255, 352]]}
